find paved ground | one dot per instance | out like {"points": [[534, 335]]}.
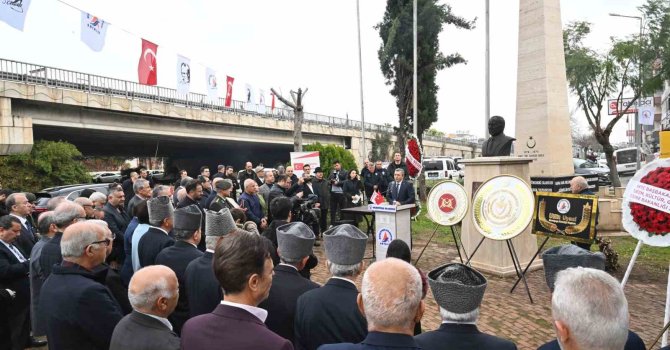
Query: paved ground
{"points": [[513, 317]]}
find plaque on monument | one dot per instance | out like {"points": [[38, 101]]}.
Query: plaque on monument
{"points": [[447, 203], [502, 207]]}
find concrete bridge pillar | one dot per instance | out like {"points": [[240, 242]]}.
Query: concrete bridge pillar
{"points": [[16, 132]]}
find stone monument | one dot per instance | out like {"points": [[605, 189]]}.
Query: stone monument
{"points": [[542, 117]]}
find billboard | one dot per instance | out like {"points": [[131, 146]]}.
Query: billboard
{"points": [[614, 106]]}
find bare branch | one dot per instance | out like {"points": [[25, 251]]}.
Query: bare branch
{"points": [[282, 99]]}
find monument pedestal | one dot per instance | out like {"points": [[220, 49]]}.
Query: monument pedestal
{"points": [[493, 256]]}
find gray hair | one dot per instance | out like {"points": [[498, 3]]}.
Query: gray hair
{"points": [[248, 182], [11, 200], [139, 184], [98, 196], [338, 270], [581, 181], [400, 170], [83, 201], [470, 317], [66, 213], [54, 202], [211, 241], [73, 246], [160, 190], [44, 222], [148, 296], [181, 194], [397, 306], [592, 305]]}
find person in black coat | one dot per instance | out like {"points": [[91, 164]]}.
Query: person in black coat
{"points": [[147, 327], [330, 314], [193, 196], [79, 311], [370, 181], [14, 268], [353, 194], [400, 192], [397, 163], [296, 241], [118, 220], [20, 208], [336, 179], [157, 238], [65, 214], [177, 257]]}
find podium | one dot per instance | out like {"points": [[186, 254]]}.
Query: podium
{"points": [[391, 222]]}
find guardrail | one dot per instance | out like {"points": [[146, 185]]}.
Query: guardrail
{"points": [[62, 78]]}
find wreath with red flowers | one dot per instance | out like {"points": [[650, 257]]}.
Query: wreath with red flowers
{"points": [[654, 221], [413, 157]]}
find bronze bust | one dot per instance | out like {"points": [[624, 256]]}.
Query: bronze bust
{"points": [[499, 144]]}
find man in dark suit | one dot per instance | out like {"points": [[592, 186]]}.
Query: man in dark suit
{"points": [[193, 196], [459, 290], [142, 192], [19, 207], [117, 219], [389, 282], [330, 314], [65, 214], [243, 266], [186, 231], [321, 189], [48, 229], [153, 291], [127, 187], [296, 241], [400, 191], [14, 268], [80, 312], [157, 238]]}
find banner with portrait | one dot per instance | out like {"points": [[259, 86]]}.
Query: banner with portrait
{"points": [[564, 215]]}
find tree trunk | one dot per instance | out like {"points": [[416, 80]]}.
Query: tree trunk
{"points": [[297, 130], [609, 155]]}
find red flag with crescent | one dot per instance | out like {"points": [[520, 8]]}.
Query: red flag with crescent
{"points": [[229, 90], [147, 71]]}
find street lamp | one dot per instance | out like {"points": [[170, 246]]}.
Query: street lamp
{"points": [[638, 136]]}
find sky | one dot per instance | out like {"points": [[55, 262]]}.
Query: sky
{"points": [[302, 43]]}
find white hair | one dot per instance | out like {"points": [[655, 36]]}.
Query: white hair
{"points": [[470, 317], [181, 194], [145, 299], [248, 182], [581, 181], [592, 305], [83, 201], [338, 270], [139, 184], [73, 246], [396, 306], [97, 197], [66, 212], [211, 241]]}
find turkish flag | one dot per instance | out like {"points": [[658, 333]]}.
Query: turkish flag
{"points": [[229, 90], [377, 198], [273, 101], [147, 71]]}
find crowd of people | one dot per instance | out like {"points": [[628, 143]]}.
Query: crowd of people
{"points": [[198, 266]]}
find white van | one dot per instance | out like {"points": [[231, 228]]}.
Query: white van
{"points": [[440, 168], [625, 159]]}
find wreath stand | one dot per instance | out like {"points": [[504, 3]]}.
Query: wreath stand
{"points": [[457, 241], [515, 260]]}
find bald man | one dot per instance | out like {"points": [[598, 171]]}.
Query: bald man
{"points": [[78, 310], [153, 293], [391, 301]]}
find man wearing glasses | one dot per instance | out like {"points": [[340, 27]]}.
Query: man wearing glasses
{"points": [[78, 310]]}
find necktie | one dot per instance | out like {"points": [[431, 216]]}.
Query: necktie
{"points": [[397, 187], [30, 227], [17, 253]]}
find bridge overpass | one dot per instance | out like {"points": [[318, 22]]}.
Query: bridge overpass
{"points": [[107, 116]]}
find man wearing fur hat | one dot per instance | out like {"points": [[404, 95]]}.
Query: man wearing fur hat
{"points": [[201, 287], [390, 299], [330, 314], [295, 246], [161, 216], [186, 231], [459, 290]]}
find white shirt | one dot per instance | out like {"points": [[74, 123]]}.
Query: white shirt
{"points": [[288, 266], [452, 322], [14, 251], [210, 250], [345, 279], [166, 233], [261, 314], [23, 220], [161, 319]]}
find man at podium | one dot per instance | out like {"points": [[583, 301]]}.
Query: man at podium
{"points": [[400, 191]]}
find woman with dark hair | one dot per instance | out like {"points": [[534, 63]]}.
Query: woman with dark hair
{"points": [[400, 250], [353, 194]]}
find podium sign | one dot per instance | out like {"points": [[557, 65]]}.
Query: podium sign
{"points": [[391, 222], [565, 215]]}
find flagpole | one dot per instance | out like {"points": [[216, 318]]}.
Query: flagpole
{"points": [[414, 90], [360, 75], [487, 74]]}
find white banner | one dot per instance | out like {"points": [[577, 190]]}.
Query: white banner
{"points": [[650, 196], [300, 159], [249, 98], [183, 74], [261, 101], [93, 31], [212, 84], [13, 12], [646, 115]]}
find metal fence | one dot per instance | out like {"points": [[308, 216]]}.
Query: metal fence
{"points": [[66, 79]]}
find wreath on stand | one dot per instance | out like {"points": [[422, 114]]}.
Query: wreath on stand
{"points": [[414, 162]]}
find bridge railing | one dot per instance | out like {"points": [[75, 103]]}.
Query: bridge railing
{"points": [[62, 78]]}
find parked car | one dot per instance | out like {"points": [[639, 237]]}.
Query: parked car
{"points": [[69, 191], [584, 166], [440, 168], [107, 177]]}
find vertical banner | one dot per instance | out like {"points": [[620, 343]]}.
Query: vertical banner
{"points": [[183, 74], [249, 98], [229, 90], [272, 106], [212, 85], [13, 12], [93, 31], [147, 71], [646, 114], [261, 102], [300, 159]]}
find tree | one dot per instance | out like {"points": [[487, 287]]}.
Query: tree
{"points": [[396, 58], [636, 65], [329, 153], [48, 164], [381, 146], [298, 115]]}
